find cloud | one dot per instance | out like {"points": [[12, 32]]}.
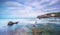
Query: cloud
{"points": [[43, 4], [27, 12], [53, 2], [12, 4], [30, 8]]}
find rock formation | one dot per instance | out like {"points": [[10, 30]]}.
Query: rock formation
{"points": [[10, 23]]}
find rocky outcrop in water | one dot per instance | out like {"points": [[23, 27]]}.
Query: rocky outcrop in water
{"points": [[10, 23]]}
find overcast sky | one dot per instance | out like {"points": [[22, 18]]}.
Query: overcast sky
{"points": [[27, 8]]}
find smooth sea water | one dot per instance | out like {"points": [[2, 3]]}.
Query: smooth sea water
{"points": [[10, 30]]}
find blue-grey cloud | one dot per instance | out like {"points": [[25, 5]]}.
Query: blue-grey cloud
{"points": [[29, 8]]}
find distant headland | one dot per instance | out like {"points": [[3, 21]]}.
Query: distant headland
{"points": [[54, 14]]}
